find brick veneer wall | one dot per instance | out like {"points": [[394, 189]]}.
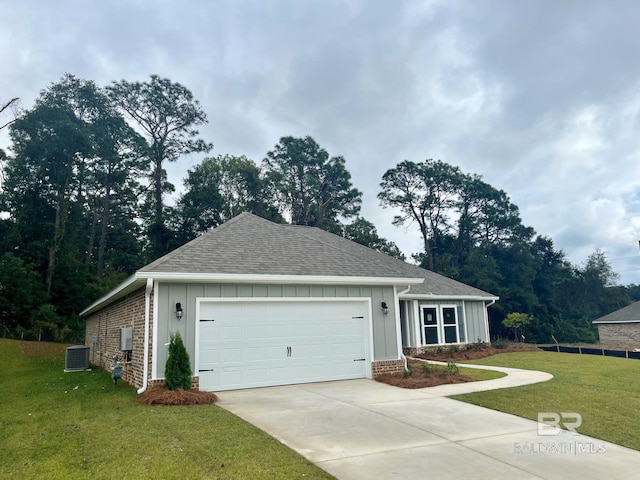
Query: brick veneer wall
{"points": [[386, 366], [195, 383], [105, 327], [620, 334]]}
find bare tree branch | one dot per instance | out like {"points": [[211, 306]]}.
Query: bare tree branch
{"points": [[13, 104]]}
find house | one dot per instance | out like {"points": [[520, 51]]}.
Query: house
{"points": [[620, 328], [260, 304]]}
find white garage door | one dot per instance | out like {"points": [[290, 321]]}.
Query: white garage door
{"points": [[262, 343]]}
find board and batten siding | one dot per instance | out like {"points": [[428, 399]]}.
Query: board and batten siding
{"points": [[476, 315], [471, 317], [168, 294]]}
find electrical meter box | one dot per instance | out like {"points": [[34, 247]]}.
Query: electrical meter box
{"points": [[126, 339]]}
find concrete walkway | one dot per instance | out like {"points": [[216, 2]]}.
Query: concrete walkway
{"points": [[362, 429]]}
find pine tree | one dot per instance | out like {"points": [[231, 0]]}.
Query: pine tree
{"points": [[177, 372]]}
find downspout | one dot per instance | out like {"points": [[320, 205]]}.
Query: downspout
{"points": [[398, 323], [486, 319], [147, 318]]}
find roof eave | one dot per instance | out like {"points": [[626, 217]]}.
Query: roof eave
{"points": [[278, 279], [614, 321], [428, 296], [137, 281], [128, 286]]}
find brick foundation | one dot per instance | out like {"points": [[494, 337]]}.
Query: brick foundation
{"points": [[387, 366], [414, 351], [195, 383]]}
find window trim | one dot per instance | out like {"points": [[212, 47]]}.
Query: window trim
{"points": [[440, 325], [449, 325]]}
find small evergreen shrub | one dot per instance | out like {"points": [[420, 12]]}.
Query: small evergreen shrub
{"points": [[177, 372]]}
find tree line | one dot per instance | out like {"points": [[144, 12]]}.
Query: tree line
{"points": [[84, 195]]}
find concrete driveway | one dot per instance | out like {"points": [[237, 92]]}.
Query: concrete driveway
{"points": [[362, 429]]}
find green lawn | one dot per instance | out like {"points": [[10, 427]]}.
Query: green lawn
{"points": [[604, 390], [77, 425]]}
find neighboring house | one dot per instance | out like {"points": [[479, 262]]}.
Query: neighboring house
{"points": [[621, 327], [259, 304]]}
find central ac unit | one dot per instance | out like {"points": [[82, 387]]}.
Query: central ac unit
{"points": [[77, 359]]}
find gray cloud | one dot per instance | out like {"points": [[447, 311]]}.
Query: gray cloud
{"points": [[540, 97]]}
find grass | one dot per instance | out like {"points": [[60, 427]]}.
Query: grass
{"points": [[77, 425], [604, 390], [479, 375]]}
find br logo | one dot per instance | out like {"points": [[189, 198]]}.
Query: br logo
{"points": [[551, 423]]}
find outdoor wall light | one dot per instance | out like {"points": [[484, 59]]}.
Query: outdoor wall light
{"points": [[384, 307], [179, 311]]}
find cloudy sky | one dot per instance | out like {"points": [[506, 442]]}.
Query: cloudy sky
{"points": [[541, 98]]}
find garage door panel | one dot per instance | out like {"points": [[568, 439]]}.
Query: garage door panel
{"points": [[281, 342]]}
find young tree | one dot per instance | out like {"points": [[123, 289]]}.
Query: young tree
{"points": [[167, 115], [517, 322], [177, 373], [309, 186]]}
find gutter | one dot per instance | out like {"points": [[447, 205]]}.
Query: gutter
{"points": [[147, 318], [399, 327]]}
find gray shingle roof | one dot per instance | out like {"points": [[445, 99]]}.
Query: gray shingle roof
{"points": [[630, 313], [248, 244]]}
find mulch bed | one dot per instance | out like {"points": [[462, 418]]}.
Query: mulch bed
{"points": [[475, 353], [418, 380], [433, 379], [158, 395]]}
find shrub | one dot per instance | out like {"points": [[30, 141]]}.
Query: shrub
{"points": [[429, 368], [408, 371], [452, 350], [452, 369], [477, 346], [177, 372], [500, 343]]}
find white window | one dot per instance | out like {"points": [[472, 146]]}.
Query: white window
{"points": [[450, 324], [430, 326], [440, 325]]}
